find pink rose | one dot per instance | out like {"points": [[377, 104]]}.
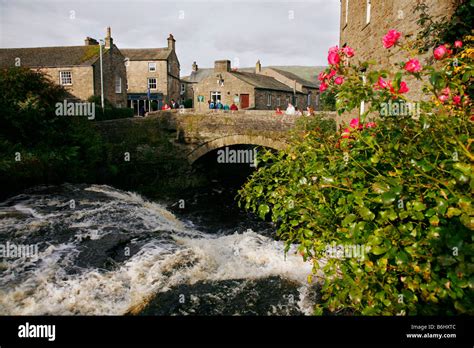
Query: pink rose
{"points": [[355, 123], [339, 80], [348, 51], [370, 125], [323, 86], [391, 38], [443, 98], [446, 91], [440, 52], [333, 58], [413, 66], [382, 83], [333, 49], [458, 44], [457, 99], [322, 76], [403, 88], [331, 73], [346, 133]]}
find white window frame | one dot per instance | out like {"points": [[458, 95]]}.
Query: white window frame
{"points": [[217, 95], [62, 78], [368, 11], [278, 101], [151, 66], [118, 84], [269, 99], [149, 83], [183, 88]]}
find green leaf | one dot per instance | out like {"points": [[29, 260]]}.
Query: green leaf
{"points": [[263, 210], [388, 198], [366, 214]]}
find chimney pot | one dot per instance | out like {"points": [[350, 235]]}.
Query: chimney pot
{"points": [[195, 66], [258, 67]]}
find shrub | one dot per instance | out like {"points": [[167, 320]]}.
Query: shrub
{"points": [[401, 189]]}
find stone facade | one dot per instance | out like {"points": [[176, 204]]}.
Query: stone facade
{"points": [[362, 29], [83, 63], [82, 86], [229, 86], [166, 71]]}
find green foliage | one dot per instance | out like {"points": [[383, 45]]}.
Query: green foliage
{"points": [[402, 190], [36, 146], [328, 101], [434, 32]]}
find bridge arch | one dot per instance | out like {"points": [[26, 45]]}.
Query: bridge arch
{"points": [[237, 139]]}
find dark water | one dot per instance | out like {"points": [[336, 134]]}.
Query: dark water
{"points": [[106, 251]]}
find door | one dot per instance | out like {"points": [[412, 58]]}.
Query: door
{"points": [[244, 101]]}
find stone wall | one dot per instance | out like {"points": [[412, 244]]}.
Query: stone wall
{"points": [[82, 80], [138, 74], [113, 68], [232, 86], [366, 39], [173, 90], [261, 100]]}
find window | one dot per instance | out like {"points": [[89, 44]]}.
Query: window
{"points": [[308, 100], [118, 84], [278, 101], [169, 68], [369, 5], [346, 12], [65, 77], [151, 67], [183, 88], [152, 83], [215, 96], [287, 100], [269, 99]]}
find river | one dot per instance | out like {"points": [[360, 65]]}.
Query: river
{"points": [[104, 251]]}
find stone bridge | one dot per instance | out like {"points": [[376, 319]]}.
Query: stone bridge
{"points": [[193, 135]]}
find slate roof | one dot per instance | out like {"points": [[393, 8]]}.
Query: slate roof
{"points": [[312, 72], [50, 56], [146, 53], [261, 81], [298, 79]]}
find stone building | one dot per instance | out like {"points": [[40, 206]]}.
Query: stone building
{"points": [[247, 90], [76, 68], [309, 89], [152, 75], [363, 23]]}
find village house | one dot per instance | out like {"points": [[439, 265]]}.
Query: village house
{"points": [[363, 23], [76, 68], [152, 76], [261, 89], [247, 90], [309, 89]]}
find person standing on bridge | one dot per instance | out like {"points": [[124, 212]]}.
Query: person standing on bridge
{"points": [[290, 110]]}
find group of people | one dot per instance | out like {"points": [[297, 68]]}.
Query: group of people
{"points": [[294, 111], [217, 105], [172, 105]]}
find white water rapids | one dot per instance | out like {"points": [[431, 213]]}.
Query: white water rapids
{"points": [[67, 278]]}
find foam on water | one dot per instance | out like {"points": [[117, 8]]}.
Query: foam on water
{"points": [[46, 285]]}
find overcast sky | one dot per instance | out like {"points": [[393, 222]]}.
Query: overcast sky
{"points": [[276, 32]]}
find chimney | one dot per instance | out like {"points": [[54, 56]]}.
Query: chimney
{"points": [[171, 42], [90, 41], [109, 42], [258, 67], [222, 65], [195, 66]]}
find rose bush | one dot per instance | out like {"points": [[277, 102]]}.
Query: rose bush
{"points": [[401, 187]]}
